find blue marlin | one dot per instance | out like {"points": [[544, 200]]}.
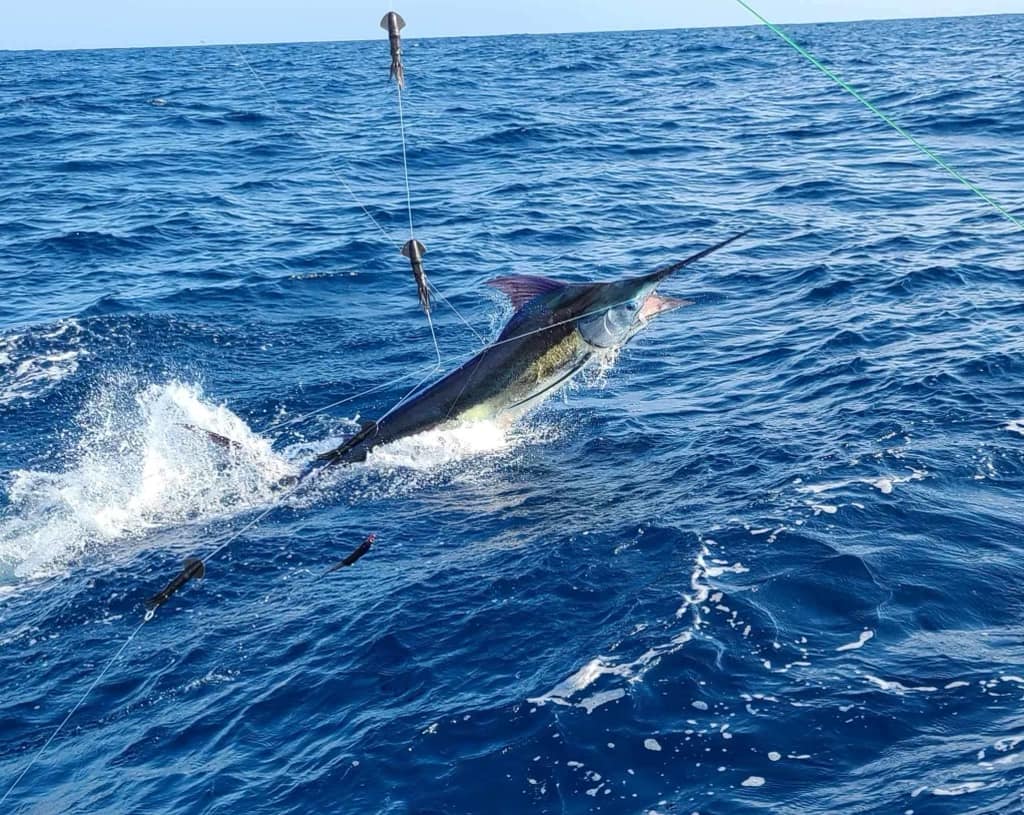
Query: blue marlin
{"points": [[558, 329]]}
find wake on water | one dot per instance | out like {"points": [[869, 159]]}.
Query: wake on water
{"points": [[139, 464]]}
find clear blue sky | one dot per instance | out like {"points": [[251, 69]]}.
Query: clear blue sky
{"points": [[120, 23]]}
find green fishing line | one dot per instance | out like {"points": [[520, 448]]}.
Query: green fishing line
{"points": [[885, 118]]}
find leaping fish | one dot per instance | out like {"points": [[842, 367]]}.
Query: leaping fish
{"points": [[393, 23], [558, 330]]}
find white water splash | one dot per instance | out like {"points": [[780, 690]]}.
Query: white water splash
{"points": [[962, 788], [139, 463], [436, 448]]}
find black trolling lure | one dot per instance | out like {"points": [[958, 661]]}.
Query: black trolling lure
{"points": [[193, 568], [414, 250], [355, 554], [393, 23]]}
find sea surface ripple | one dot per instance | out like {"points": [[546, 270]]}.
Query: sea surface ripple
{"points": [[768, 561]]}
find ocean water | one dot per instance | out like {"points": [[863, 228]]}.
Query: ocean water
{"points": [[769, 560]]}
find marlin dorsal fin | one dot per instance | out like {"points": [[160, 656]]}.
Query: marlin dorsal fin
{"points": [[521, 289]]}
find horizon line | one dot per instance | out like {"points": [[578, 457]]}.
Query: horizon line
{"points": [[754, 24]]}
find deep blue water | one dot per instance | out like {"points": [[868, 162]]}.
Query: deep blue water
{"points": [[770, 561]]}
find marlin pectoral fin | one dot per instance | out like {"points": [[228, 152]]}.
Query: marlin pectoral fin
{"points": [[547, 389], [521, 289]]}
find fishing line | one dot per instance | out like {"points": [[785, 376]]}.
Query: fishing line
{"points": [[1002, 210], [328, 162], [73, 710], [296, 130], [421, 281], [405, 161], [433, 336], [413, 249], [411, 391], [436, 367], [367, 392], [458, 314], [376, 388]]}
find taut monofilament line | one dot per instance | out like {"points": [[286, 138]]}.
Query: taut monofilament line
{"points": [[393, 23]]}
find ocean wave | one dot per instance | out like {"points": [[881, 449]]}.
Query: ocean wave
{"points": [[33, 363]]}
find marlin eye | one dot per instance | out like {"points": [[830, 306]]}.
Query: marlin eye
{"points": [[630, 306]]}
